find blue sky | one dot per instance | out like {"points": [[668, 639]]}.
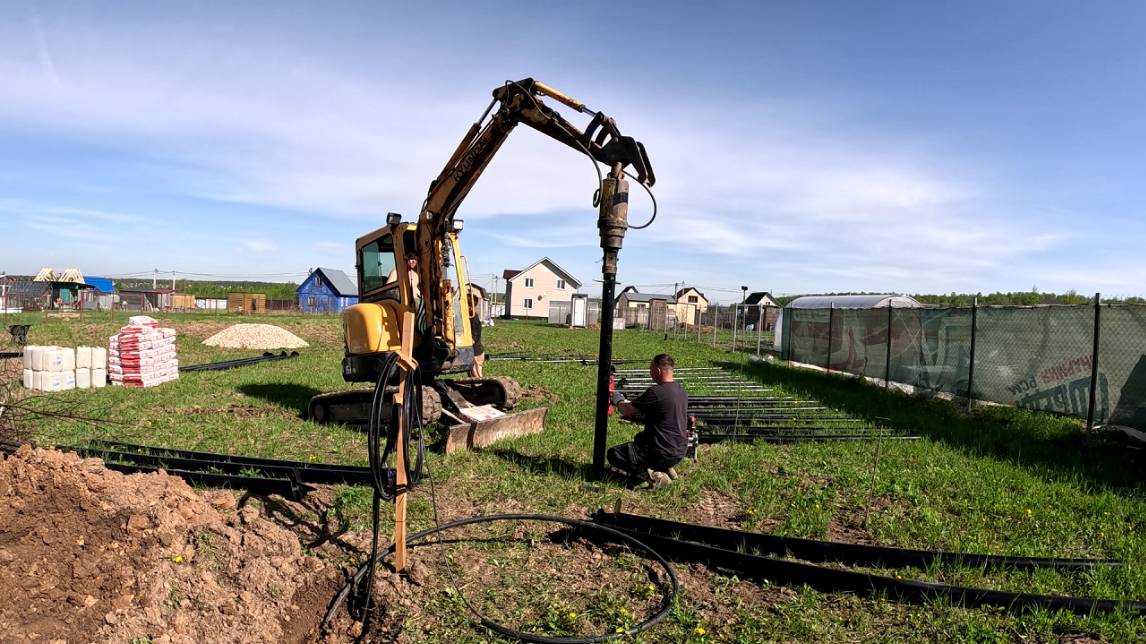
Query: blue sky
{"points": [[799, 147]]}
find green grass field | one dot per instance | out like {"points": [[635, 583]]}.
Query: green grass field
{"points": [[1002, 480]]}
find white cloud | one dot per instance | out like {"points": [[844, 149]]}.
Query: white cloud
{"points": [[332, 247], [259, 246]]}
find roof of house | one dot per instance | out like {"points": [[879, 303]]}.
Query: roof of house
{"points": [[509, 275], [339, 281], [873, 301], [634, 296], [479, 289], [755, 298], [26, 288], [101, 284], [692, 288]]}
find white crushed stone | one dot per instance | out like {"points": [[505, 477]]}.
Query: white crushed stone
{"points": [[255, 336]]}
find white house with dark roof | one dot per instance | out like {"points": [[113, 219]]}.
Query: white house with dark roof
{"points": [[528, 292]]}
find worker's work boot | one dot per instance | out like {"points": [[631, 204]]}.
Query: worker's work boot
{"points": [[657, 479], [672, 473]]}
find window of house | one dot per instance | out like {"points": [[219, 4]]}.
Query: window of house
{"points": [[560, 283], [311, 300], [692, 299], [529, 282], [528, 301]]}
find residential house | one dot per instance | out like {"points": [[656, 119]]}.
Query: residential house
{"points": [[690, 305], [655, 311], [326, 290], [528, 292], [760, 308]]}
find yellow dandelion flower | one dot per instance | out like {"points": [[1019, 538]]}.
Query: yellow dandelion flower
{"points": [[572, 615], [624, 612], [700, 630], [1028, 510], [177, 559]]}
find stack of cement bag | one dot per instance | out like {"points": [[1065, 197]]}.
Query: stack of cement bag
{"points": [[142, 354], [62, 368]]}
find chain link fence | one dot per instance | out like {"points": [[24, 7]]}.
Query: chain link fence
{"points": [[1085, 361]]}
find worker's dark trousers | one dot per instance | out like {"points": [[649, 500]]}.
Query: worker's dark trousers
{"points": [[631, 459]]}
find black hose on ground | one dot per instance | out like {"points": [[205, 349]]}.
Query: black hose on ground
{"points": [[366, 570]]}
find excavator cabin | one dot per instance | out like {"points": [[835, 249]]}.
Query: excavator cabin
{"points": [[384, 291]]}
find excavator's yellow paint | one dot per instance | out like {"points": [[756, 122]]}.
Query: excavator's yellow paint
{"points": [[373, 327]]}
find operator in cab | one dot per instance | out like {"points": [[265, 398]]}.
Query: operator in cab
{"points": [[412, 269], [663, 442]]}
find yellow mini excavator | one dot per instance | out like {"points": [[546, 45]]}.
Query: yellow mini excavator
{"points": [[437, 288]]}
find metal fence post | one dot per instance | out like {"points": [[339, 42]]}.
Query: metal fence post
{"points": [[971, 365], [887, 355], [1094, 361], [831, 320], [791, 322], [715, 323], [760, 328], [735, 323]]}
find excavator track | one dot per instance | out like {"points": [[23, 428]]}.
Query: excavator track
{"points": [[500, 391]]}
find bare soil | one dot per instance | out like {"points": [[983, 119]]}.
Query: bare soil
{"points": [[87, 554], [538, 393]]}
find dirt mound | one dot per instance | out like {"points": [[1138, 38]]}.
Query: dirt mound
{"points": [[255, 336], [87, 554]]}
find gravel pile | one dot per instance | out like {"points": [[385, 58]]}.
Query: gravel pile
{"points": [[255, 336]]}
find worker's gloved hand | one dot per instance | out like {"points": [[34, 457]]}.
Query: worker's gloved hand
{"points": [[616, 398]]}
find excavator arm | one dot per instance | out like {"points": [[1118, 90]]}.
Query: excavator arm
{"points": [[516, 102]]}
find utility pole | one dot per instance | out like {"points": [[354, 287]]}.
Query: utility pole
{"points": [[155, 279]]}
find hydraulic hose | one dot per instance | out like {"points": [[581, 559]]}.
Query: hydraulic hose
{"points": [[366, 570]]}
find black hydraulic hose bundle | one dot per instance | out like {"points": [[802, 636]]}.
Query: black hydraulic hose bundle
{"points": [[240, 362], [366, 570], [381, 448]]}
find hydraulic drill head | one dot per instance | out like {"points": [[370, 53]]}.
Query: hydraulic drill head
{"points": [[614, 217]]}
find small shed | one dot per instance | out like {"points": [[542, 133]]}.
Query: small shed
{"points": [[326, 290], [101, 296], [145, 299], [246, 302], [645, 310]]}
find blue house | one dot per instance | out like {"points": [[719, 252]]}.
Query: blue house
{"points": [[326, 290]]}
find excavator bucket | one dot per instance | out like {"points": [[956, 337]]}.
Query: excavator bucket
{"points": [[482, 433]]}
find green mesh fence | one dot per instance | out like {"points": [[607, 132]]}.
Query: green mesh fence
{"points": [[1122, 364], [1038, 358], [1032, 357]]}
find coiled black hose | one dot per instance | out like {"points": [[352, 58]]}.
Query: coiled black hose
{"points": [[366, 570]]}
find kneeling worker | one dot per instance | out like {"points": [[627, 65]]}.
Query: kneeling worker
{"points": [[664, 440]]}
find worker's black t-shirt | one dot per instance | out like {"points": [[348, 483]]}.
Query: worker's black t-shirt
{"points": [[664, 407], [475, 331]]}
